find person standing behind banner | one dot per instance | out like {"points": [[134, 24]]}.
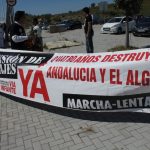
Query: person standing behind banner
{"points": [[88, 30], [18, 36], [37, 33], [2, 34]]}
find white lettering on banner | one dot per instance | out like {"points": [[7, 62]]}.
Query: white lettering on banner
{"points": [[108, 104], [129, 103], [147, 101], [7, 68], [85, 104], [35, 60], [11, 59]]}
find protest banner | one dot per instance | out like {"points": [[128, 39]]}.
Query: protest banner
{"points": [[114, 81]]}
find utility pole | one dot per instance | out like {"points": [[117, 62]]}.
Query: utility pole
{"points": [[9, 18]]}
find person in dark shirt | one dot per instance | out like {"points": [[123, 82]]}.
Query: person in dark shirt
{"points": [[88, 30], [17, 32], [2, 34]]}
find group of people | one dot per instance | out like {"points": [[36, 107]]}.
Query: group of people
{"points": [[17, 36], [20, 41]]}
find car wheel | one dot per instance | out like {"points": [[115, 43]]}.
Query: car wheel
{"points": [[119, 31]]}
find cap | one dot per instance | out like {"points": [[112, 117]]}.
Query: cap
{"points": [[86, 10], [19, 14]]}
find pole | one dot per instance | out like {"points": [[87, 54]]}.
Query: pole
{"points": [[9, 21], [127, 32]]}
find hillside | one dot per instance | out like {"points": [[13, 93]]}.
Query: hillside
{"points": [[78, 15]]}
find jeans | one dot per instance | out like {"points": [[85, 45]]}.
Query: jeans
{"points": [[89, 44]]}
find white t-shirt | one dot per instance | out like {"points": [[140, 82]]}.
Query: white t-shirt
{"points": [[37, 30], [1, 38]]}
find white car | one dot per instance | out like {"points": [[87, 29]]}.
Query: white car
{"points": [[117, 25]]}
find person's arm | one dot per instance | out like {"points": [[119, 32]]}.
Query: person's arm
{"points": [[18, 39]]}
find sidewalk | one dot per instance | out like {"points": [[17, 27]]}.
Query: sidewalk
{"points": [[24, 127]]}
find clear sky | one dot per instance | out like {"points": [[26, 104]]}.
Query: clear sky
{"points": [[53, 6], [38, 7]]}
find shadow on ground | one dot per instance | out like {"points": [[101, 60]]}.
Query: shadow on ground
{"points": [[146, 46], [134, 117]]}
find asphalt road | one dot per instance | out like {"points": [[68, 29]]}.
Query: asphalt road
{"points": [[102, 42]]}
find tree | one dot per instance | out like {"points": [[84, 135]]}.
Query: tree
{"points": [[93, 5], [70, 12], [130, 8]]}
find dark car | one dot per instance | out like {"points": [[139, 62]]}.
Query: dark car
{"points": [[142, 27], [72, 24]]}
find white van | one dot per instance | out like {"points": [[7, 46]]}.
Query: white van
{"points": [[117, 25]]}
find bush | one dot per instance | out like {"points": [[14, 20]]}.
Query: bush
{"points": [[121, 48]]}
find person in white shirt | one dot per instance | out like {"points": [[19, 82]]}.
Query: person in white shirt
{"points": [[37, 31]]}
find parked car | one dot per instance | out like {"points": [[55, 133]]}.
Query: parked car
{"points": [[44, 27], [117, 25], [72, 24], [142, 27]]}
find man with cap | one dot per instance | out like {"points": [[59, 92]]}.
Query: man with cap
{"points": [[88, 30], [17, 32]]}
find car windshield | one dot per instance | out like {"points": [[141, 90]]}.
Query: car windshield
{"points": [[113, 20]]}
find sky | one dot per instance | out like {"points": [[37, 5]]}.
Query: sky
{"points": [[38, 7]]}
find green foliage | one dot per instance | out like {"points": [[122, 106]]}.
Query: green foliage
{"points": [[93, 5], [45, 46], [46, 17], [57, 18], [121, 48], [145, 9]]}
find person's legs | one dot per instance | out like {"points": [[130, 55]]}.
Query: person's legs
{"points": [[89, 44], [91, 48]]}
